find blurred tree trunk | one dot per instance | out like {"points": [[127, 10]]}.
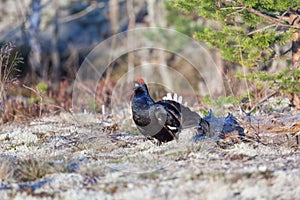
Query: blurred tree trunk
{"points": [[217, 78], [34, 40], [131, 25], [55, 53], [295, 20], [296, 49], [158, 20], [114, 16], [151, 12], [20, 5]]}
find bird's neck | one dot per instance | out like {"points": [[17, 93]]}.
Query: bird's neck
{"points": [[142, 101]]}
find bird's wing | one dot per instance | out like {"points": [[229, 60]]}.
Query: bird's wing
{"points": [[171, 108], [166, 118], [189, 118]]}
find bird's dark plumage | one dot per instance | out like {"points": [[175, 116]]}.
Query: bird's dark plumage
{"points": [[162, 120]]}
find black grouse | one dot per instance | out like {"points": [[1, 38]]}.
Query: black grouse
{"points": [[162, 120]]}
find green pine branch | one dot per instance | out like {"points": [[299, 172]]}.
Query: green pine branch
{"points": [[247, 33]]}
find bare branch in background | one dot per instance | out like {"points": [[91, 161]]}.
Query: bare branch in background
{"points": [[94, 5], [273, 20]]}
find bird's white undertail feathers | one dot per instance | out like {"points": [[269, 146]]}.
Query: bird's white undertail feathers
{"points": [[180, 99], [171, 127], [174, 98]]}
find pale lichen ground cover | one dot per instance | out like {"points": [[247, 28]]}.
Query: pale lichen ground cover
{"points": [[81, 157]]}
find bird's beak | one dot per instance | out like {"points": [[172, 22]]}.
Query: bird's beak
{"points": [[136, 84]]}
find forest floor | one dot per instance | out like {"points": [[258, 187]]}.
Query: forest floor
{"points": [[80, 156]]}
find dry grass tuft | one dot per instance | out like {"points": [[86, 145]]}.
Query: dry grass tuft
{"points": [[9, 61], [6, 170], [30, 170]]}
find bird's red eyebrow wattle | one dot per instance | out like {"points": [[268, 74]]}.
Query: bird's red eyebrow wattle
{"points": [[140, 80]]}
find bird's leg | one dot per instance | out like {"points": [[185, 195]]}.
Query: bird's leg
{"points": [[175, 136], [154, 141]]}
